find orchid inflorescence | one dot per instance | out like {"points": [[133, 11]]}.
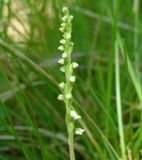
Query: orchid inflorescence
{"points": [[67, 67]]}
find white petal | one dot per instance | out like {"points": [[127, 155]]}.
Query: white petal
{"points": [[63, 24], [63, 41], [61, 61], [60, 97], [61, 48], [79, 131], [72, 78], [74, 115], [67, 36], [64, 55], [68, 96], [75, 65], [64, 18], [61, 85], [61, 29], [62, 69]]}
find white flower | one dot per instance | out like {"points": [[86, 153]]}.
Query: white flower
{"points": [[71, 17], [62, 69], [65, 9], [75, 65], [61, 29], [61, 85], [61, 61], [60, 97], [63, 41], [67, 36], [72, 78], [68, 96], [64, 18], [61, 48], [64, 55], [63, 24], [74, 115], [79, 131]]}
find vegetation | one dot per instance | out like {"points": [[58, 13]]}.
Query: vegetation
{"points": [[107, 92]]}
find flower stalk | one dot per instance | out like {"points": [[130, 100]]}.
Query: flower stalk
{"points": [[66, 87]]}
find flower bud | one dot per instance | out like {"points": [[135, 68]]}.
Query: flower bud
{"points": [[61, 61], [65, 9], [79, 131], [63, 24], [61, 48], [68, 96], [60, 97], [62, 69], [74, 115], [64, 55], [64, 18], [63, 41], [61, 29], [72, 78], [61, 85], [67, 36], [75, 65]]}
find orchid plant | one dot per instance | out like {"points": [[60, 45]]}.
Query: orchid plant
{"points": [[66, 87]]}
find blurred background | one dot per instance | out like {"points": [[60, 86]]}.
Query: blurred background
{"points": [[32, 125]]}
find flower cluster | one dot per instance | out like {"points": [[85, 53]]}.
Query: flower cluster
{"points": [[67, 67]]}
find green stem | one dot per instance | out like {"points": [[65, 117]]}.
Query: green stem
{"points": [[71, 140]]}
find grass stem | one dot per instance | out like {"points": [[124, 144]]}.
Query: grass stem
{"points": [[118, 102]]}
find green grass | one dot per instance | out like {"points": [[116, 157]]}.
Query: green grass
{"points": [[108, 91]]}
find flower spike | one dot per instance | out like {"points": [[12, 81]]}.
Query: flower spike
{"points": [[68, 69]]}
